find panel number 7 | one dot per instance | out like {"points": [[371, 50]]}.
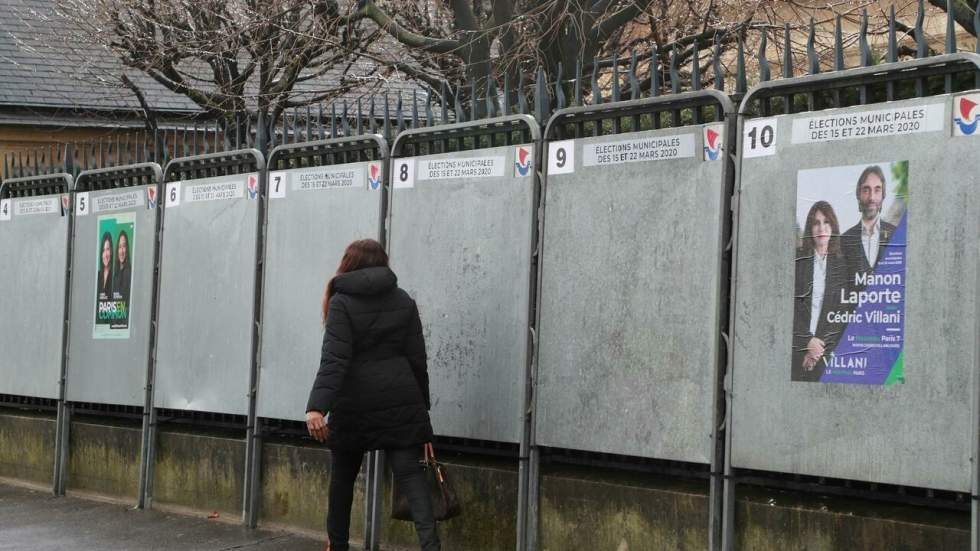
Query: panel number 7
{"points": [[277, 185]]}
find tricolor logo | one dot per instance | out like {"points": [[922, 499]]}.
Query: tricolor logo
{"points": [[374, 176], [522, 164], [966, 116], [151, 197], [712, 142], [253, 186], [65, 205]]}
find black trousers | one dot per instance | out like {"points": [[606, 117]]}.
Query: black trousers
{"points": [[410, 477]]}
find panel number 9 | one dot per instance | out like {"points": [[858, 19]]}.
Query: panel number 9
{"points": [[561, 158]]}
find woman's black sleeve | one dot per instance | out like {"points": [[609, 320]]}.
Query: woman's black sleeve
{"points": [[334, 358], [415, 351]]}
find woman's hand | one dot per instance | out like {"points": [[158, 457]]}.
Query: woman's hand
{"points": [[316, 425]]}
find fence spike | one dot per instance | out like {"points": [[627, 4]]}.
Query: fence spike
{"points": [[838, 44], [372, 118], [787, 53], [309, 122], [922, 48], [260, 130], [387, 117], [415, 108], [863, 40], [506, 92], [675, 80], [741, 84], [764, 72], [892, 38], [321, 133], [521, 98], [615, 77], [359, 118], [69, 158], [296, 126], [596, 91], [950, 26], [634, 82], [333, 120], [578, 82], [716, 63], [811, 52], [428, 107], [458, 103], [345, 118], [399, 113], [444, 95], [474, 112], [488, 100], [559, 93], [541, 102]]}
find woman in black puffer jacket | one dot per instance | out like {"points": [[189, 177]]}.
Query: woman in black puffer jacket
{"points": [[372, 389]]}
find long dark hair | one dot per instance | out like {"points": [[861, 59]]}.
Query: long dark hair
{"points": [[363, 253], [833, 248], [106, 237], [119, 240]]}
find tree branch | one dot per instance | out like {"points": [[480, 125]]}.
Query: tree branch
{"points": [[406, 37]]}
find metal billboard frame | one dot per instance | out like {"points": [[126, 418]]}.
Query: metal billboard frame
{"points": [[60, 183], [225, 163], [438, 140], [129, 176], [759, 101], [314, 154], [674, 105]]}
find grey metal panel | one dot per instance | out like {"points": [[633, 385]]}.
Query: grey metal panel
{"points": [[206, 301], [462, 249], [111, 371], [34, 249], [917, 433], [628, 327], [306, 234]]}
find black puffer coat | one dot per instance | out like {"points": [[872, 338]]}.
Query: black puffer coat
{"points": [[373, 377]]}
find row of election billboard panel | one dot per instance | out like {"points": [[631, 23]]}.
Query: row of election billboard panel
{"points": [[637, 292]]}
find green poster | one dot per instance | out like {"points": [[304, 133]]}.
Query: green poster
{"points": [[115, 276]]}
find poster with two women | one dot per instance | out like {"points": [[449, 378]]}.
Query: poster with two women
{"points": [[115, 276], [849, 297]]}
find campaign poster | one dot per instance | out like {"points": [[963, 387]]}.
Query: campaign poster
{"points": [[849, 297], [115, 276]]}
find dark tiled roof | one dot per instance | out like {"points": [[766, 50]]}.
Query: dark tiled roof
{"points": [[44, 65]]}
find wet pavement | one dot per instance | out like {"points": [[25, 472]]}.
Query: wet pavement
{"points": [[36, 521]]}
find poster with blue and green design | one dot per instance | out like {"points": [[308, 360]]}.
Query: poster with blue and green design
{"points": [[114, 277], [849, 295]]}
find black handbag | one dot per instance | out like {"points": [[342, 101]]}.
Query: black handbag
{"points": [[445, 504]]}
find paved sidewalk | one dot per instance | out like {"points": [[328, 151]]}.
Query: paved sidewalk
{"points": [[37, 521]]}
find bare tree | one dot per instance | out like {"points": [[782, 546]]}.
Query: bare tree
{"points": [[473, 40], [233, 56]]}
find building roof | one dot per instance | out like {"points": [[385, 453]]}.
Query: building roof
{"points": [[43, 65]]}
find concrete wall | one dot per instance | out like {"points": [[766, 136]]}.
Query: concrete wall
{"points": [[27, 444], [581, 508]]}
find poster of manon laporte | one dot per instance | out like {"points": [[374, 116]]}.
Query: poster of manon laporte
{"points": [[849, 295]]}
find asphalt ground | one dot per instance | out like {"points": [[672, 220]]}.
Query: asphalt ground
{"points": [[32, 520]]}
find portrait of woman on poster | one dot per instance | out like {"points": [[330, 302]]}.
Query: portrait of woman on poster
{"points": [[104, 285], [821, 273], [121, 281]]}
